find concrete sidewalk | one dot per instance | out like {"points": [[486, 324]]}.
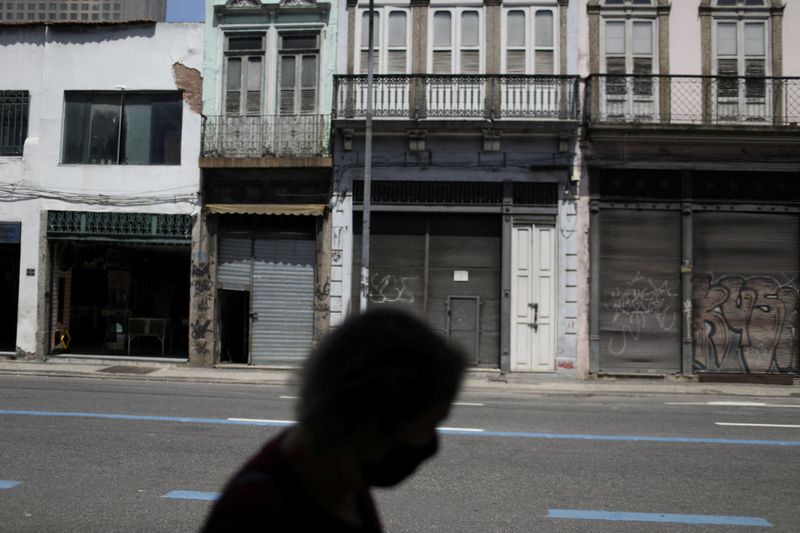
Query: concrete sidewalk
{"points": [[477, 380]]}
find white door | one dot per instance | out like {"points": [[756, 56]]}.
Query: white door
{"points": [[533, 298]]}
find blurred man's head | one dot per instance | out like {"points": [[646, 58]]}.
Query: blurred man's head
{"points": [[378, 385]]}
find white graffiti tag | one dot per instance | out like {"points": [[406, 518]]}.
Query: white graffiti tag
{"points": [[388, 288], [638, 305]]}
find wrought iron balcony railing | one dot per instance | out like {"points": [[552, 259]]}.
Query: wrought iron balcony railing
{"points": [[701, 100], [444, 96], [266, 135]]}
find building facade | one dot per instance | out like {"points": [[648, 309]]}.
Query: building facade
{"points": [[99, 177], [473, 220], [691, 154], [260, 277], [16, 11]]}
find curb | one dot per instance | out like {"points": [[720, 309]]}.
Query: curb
{"points": [[491, 382]]}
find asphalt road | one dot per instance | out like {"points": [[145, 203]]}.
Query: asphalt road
{"points": [[519, 462]]}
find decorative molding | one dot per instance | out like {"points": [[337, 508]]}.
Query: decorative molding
{"points": [[242, 3], [298, 3]]}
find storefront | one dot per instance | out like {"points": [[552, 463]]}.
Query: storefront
{"points": [[265, 283], [9, 284], [699, 274], [119, 283], [484, 276]]}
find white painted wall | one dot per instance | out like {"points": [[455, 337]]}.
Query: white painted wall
{"points": [[48, 60]]}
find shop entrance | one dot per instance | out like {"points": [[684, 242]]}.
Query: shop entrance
{"points": [[111, 299], [234, 320], [9, 288]]}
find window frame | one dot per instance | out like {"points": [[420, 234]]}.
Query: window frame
{"points": [[244, 57], [15, 147], [122, 132], [381, 47], [299, 54], [530, 47], [457, 48]]}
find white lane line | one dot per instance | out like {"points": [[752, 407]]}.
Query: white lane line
{"points": [[262, 421], [743, 424], [461, 404], [462, 430], [735, 404]]}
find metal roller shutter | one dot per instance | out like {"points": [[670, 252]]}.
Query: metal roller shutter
{"points": [[745, 292], [234, 269], [640, 304], [283, 300]]}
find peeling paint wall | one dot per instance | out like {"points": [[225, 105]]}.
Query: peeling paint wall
{"points": [[190, 81]]}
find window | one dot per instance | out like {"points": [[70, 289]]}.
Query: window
{"points": [[456, 38], [122, 128], [14, 106], [629, 46], [530, 41], [244, 74], [299, 55], [722, 3], [390, 41], [741, 37]]}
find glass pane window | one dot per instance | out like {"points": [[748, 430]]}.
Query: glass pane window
{"points": [[516, 28], [615, 37], [726, 39], [754, 39], [544, 28], [397, 29], [376, 35], [299, 74], [124, 128], [642, 38], [441, 29], [469, 28]]}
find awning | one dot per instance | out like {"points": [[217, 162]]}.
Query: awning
{"points": [[313, 210]]}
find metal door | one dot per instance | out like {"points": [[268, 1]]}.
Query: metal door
{"points": [[745, 292], [283, 300], [463, 324], [533, 298], [640, 291]]}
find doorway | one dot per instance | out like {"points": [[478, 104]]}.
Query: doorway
{"points": [[533, 298], [9, 288], [234, 309]]}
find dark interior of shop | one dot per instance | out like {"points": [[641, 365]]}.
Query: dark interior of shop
{"points": [[9, 289], [127, 300]]}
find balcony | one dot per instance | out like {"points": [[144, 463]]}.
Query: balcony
{"points": [[266, 140], [714, 101], [470, 97]]}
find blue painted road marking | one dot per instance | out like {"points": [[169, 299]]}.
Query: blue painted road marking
{"points": [[8, 484], [693, 519], [192, 495], [448, 431]]}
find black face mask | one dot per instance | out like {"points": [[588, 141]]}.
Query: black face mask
{"points": [[399, 463]]}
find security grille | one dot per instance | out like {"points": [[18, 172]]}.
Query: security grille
{"points": [[14, 106]]}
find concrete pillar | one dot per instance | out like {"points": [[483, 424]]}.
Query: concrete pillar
{"points": [[322, 287], [44, 300], [202, 292]]}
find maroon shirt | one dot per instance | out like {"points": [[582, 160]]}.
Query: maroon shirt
{"points": [[266, 496]]}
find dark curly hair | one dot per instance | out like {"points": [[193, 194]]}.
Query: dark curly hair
{"points": [[385, 365]]}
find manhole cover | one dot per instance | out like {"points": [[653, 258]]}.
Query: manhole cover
{"points": [[122, 369]]}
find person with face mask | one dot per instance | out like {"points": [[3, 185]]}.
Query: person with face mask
{"points": [[371, 397]]}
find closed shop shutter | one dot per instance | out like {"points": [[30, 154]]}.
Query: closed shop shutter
{"points": [[438, 264], [745, 292], [640, 286], [234, 268], [283, 300]]}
